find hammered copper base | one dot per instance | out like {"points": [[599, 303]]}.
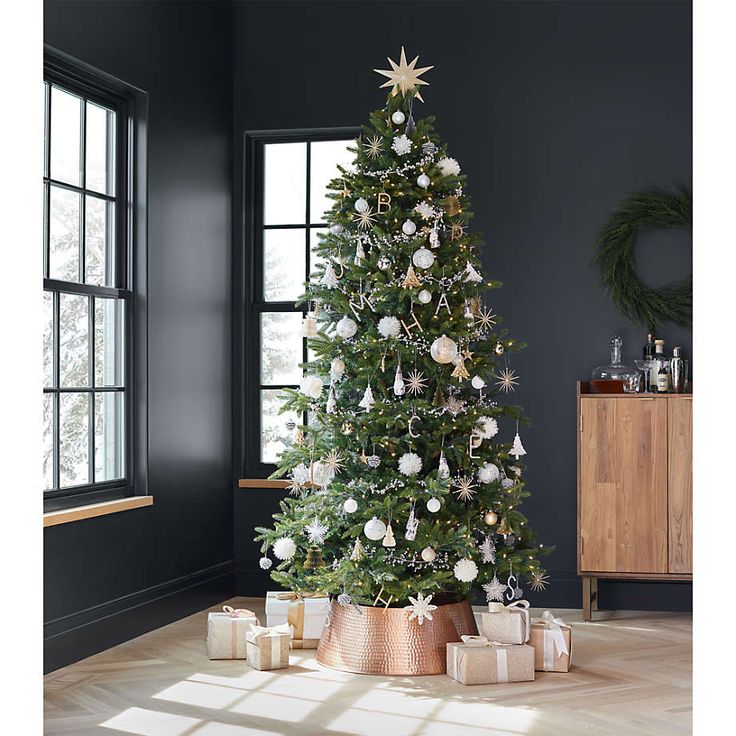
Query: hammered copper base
{"points": [[383, 641]]}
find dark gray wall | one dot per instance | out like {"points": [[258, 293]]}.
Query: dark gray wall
{"points": [[554, 110], [179, 52]]}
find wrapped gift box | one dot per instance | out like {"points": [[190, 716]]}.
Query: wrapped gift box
{"points": [[506, 624], [477, 661], [305, 613], [226, 632], [552, 641], [268, 648]]}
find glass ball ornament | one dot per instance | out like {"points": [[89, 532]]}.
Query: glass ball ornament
{"points": [[398, 117], [423, 181], [408, 228], [336, 229], [374, 529], [490, 518], [425, 296], [433, 505], [443, 350], [423, 258], [265, 563], [428, 554], [477, 382], [350, 506], [346, 328], [384, 263], [361, 205]]}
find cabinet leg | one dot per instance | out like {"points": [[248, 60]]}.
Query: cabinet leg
{"points": [[594, 593], [590, 595]]}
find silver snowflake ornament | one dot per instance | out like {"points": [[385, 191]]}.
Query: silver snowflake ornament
{"points": [[494, 590], [421, 608], [344, 599], [488, 550], [316, 531]]}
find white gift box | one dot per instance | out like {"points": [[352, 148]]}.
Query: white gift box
{"points": [[305, 613], [506, 624], [227, 630]]}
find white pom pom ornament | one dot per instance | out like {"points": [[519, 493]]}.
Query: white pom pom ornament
{"points": [[465, 570], [487, 427], [346, 328], [284, 548], [488, 473], [311, 386], [448, 166], [410, 464], [389, 327]]}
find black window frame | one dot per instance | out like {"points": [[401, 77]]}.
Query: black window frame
{"points": [[253, 304], [130, 195]]}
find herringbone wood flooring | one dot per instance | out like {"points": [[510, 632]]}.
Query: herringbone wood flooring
{"points": [[632, 677]]}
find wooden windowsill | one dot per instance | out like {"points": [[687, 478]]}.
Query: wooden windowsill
{"points": [[66, 516], [262, 483]]}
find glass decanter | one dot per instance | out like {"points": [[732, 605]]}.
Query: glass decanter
{"points": [[616, 370]]}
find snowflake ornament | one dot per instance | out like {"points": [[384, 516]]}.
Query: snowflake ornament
{"points": [[334, 462], [416, 382], [410, 464], [465, 488], [300, 474], [425, 210], [494, 590], [539, 581], [294, 488], [401, 144], [421, 608], [373, 146], [488, 550], [507, 380], [485, 319], [465, 570], [454, 406], [316, 531]]}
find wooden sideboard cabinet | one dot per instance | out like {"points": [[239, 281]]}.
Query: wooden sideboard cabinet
{"points": [[634, 488]]}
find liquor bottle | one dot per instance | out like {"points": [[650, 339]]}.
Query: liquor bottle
{"points": [[648, 352], [663, 377], [645, 365], [654, 374]]}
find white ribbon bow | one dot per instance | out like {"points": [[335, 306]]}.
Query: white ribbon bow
{"points": [[554, 626], [259, 632], [481, 641]]}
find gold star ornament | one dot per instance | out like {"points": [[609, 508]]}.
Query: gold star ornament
{"points": [[404, 77]]}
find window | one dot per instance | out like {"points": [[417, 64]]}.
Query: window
{"points": [[89, 297], [289, 174]]}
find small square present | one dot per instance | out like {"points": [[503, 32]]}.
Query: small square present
{"points": [[305, 613], [268, 648], [226, 631], [552, 641], [477, 661], [506, 624]]}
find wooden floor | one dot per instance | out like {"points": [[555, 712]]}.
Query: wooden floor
{"points": [[632, 676]]}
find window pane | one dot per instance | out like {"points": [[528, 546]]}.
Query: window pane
{"points": [[100, 149], [315, 261], [66, 134], [109, 342], [48, 339], [99, 234], [73, 340], [48, 441], [74, 429], [275, 437], [281, 348], [64, 234], [325, 157], [45, 128], [284, 254], [109, 433], [284, 183]]}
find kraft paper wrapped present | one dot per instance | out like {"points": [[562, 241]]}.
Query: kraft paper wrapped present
{"points": [[226, 632], [477, 661], [506, 624], [552, 641], [268, 648], [305, 613]]}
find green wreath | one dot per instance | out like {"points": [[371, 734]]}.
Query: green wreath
{"points": [[647, 210]]}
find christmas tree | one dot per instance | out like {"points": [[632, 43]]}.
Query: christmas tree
{"points": [[406, 481]]}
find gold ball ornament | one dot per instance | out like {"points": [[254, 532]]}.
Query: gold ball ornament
{"points": [[428, 554], [490, 518]]}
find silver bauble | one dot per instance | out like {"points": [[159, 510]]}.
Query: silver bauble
{"points": [[398, 117], [408, 228], [443, 350], [424, 296], [423, 258], [374, 529], [423, 181]]}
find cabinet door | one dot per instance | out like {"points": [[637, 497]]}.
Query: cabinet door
{"points": [[623, 485], [680, 496]]}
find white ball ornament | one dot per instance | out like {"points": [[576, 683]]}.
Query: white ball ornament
{"points": [[408, 228], [443, 350], [410, 464], [350, 506], [477, 382], [361, 205], [374, 529], [423, 258], [465, 570], [389, 327], [311, 386], [428, 554], [448, 166], [284, 548], [433, 505], [424, 296], [346, 328], [488, 473], [398, 117], [423, 181], [336, 229], [265, 563], [487, 427]]}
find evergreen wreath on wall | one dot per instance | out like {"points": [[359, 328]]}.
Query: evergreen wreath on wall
{"points": [[646, 210]]}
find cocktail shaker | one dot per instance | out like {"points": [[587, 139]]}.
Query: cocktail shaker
{"points": [[678, 371]]}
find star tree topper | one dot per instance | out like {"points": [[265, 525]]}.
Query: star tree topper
{"points": [[404, 76]]}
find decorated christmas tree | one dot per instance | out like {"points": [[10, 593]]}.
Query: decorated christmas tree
{"points": [[406, 480]]}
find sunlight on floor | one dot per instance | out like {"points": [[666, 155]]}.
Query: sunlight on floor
{"points": [[145, 722]]}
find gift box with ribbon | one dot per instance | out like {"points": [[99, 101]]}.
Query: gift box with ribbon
{"points": [[552, 641], [506, 624], [268, 647], [478, 661], [305, 613], [226, 631]]}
